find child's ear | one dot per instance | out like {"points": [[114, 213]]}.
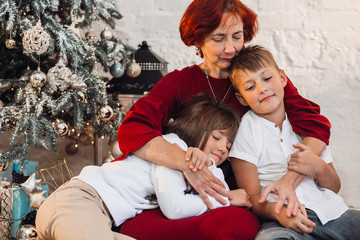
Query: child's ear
{"points": [[283, 78], [241, 99]]}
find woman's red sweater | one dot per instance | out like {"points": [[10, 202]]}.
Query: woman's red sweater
{"points": [[147, 117]]}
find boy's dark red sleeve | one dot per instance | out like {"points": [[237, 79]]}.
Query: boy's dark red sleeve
{"points": [[304, 115]]}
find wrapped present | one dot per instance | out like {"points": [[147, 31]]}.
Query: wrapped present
{"points": [[21, 206], [5, 213], [30, 167]]}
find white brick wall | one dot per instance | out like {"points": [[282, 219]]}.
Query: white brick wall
{"points": [[315, 42]]}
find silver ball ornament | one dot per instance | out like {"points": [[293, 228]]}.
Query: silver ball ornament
{"points": [[107, 158], [27, 231], [10, 43], [105, 113], [133, 69], [106, 34], [117, 70], [115, 150], [62, 128], [38, 79]]}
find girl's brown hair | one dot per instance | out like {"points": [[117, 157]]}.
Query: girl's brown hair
{"points": [[198, 120]]}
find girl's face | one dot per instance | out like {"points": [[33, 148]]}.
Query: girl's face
{"points": [[221, 46], [218, 146]]}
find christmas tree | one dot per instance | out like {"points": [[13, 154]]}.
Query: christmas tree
{"points": [[49, 82]]}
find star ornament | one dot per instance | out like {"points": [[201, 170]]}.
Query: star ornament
{"points": [[36, 199], [31, 185]]}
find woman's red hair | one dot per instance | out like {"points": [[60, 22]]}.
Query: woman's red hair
{"points": [[202, 17]]}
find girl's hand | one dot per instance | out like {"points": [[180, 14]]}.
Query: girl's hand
{"points": [[299, 223], [286, 193], [305, 161], [197, 159], [239, 198]]}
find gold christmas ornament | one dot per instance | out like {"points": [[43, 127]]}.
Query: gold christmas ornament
{"points": [[37, 78], [3, 166], [36, 40], [133, 69], [105, 113], [27, 232], [1, 105], [10, 43]]}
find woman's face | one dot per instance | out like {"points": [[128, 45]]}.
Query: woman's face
{"points": [[221, 46]]}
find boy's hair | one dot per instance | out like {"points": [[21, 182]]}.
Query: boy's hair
{"points": [[204, 116], [251, 58]]}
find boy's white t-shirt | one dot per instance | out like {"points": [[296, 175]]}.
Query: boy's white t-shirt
{"points": [[261, 143]]}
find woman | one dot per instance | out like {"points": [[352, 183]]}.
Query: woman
{"points": [[219, 29]]}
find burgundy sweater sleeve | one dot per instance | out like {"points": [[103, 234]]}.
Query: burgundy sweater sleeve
{"points": [[304, 115], [149, 114]]}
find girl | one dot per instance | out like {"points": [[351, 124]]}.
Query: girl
{"points": [[88, 205]]}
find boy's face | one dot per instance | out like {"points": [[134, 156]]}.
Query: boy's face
{"points": [[217, 146], [262, 91]]}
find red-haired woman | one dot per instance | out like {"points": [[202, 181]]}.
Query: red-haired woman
{"points": [[219, 29]]}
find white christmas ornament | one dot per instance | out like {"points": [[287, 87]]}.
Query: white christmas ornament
{"points": [[36, 40], [31, 185], [36, 199], [60, 77]]}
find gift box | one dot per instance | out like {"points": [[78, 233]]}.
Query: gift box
{"points": [[30, 167], [21, 206]]}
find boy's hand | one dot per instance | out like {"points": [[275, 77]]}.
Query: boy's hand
{"points": [[305, 161], [239, 198], [197, 159], [299, 223]]}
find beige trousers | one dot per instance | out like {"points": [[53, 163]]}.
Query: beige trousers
{"points": [[75, 211]]}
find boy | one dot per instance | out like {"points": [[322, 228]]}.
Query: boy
{"points": [[266, 147]]}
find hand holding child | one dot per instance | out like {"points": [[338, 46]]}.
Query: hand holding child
{"points": [[305, 161], [197, 159]]}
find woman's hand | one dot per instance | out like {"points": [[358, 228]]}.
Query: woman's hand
{"points": [[204, 182], [305, 161], [300, 223], [239, 198], [197, 159]]}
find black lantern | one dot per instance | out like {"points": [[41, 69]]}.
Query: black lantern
{"points": [[153, 68]]}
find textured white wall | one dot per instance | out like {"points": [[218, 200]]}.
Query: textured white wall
{"points": [[315, 42]]}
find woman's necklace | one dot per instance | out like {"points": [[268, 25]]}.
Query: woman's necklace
{"points": [[207, 77]]}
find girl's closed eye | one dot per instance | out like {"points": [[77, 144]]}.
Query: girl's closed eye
{"points": [[267, 78]]}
